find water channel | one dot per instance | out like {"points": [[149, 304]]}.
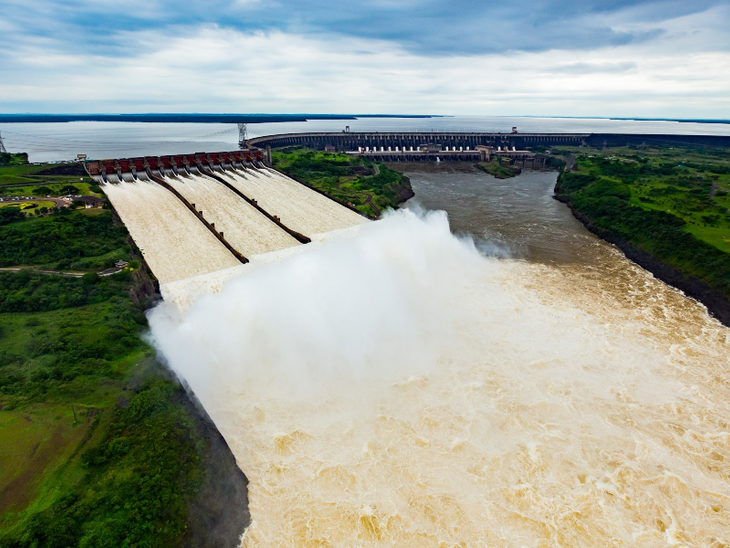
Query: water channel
{"points": [[400, 389]]}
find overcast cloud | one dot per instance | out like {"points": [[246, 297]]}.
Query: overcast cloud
{"points": [[544, 57]]}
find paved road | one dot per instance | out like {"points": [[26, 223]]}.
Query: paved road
{"points": [[67, 273], [58, 201]]}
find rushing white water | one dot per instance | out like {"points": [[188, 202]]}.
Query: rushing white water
{"points": [[299, 208], [175, 244], [245, 228], [399, 389]]}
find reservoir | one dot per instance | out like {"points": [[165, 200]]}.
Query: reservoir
{"points": [[404, 387]]}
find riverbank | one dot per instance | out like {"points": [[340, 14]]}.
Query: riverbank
{"points": [[666, 209], [716, 302]]}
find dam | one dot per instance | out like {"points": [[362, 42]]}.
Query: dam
{"points": [[346, 141], [402, 388], [525, 149], [201, 213]]}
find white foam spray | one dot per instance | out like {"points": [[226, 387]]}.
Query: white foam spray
{"points": [[398, 388]]}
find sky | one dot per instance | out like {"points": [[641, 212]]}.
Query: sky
{"points": [[662, 58]]}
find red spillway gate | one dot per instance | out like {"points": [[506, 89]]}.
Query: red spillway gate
{"points": [[140, 165]]}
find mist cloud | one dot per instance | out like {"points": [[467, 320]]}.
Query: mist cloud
{"points": [[363, 310]]}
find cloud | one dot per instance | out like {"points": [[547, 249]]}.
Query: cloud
{"points": [[592, 68], [615, 58], [214, 69], [425, 27]]}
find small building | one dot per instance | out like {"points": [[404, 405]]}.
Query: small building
{"points": [[121, 264], [88, 201]]}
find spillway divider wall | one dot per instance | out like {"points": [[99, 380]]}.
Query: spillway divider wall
{"points": [[299, 237], [348, 206], [200, 217]]}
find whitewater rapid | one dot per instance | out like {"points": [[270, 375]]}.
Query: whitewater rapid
{"points": [[396, 388]]}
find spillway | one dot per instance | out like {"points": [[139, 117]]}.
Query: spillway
{"points": [[193, 215], [299, 207], [175, 244], [246, 229]]}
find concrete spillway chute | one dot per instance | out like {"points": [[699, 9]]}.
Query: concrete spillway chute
{"points": [[162, 199]]}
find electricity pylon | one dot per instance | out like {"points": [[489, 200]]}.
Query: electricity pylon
{"points": [[2, 145], [242, 134]]}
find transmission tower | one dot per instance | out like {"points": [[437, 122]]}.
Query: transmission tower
{"points": [[242, 134], [2, 145]]}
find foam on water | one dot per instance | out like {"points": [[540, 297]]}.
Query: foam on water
{"points": [[398, 389]]}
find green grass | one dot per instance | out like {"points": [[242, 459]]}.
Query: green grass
{"points": [[64, 240], [669, 202], [60, 351], [717, 236], [11, 179], [20, 179], [117, 472], [61, 369], [348, 179], [29, 207], [48, 189], [672, 180], [38, 204], [501, 169]]}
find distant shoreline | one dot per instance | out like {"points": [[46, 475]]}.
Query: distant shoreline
{"points": [[192, 118], [207, 118]]}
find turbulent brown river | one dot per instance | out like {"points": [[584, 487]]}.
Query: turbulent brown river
{"points": [[519, 384]]}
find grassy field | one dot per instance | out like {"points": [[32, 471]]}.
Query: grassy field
{"points": [[29, 207], [691, 184], [669, 202], [368, 187], [50, 189], [23, 179]]}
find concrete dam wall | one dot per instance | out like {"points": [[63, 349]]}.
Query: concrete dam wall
{"points": [[190, 219]]}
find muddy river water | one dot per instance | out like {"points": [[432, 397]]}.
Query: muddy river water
{"points": [[404, 387]]}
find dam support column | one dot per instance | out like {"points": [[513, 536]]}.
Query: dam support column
{"points": [[267, 155]]}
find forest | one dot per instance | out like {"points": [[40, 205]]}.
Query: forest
{"points": [[670, 203]]}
